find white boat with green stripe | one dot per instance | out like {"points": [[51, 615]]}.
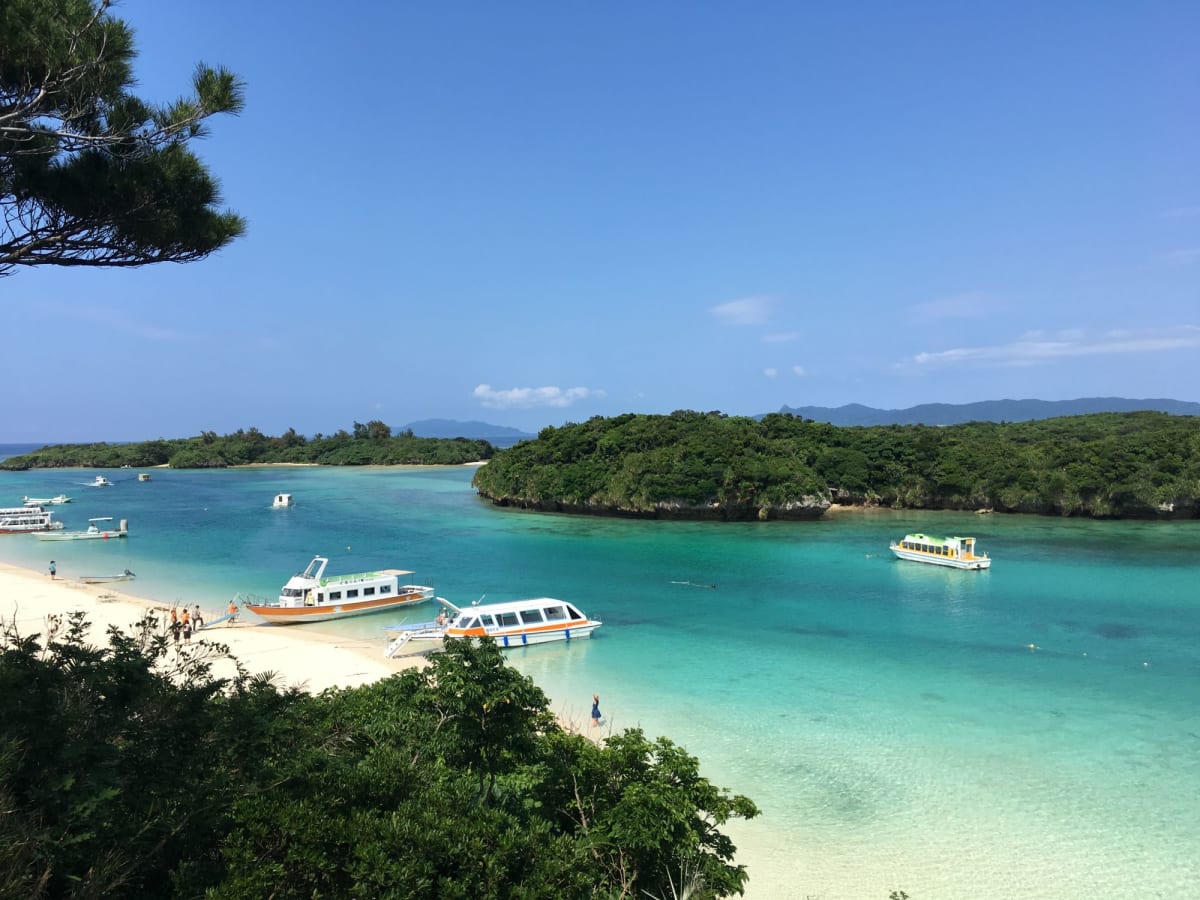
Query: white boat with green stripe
{"points": [[313, 596], [952, 552]]}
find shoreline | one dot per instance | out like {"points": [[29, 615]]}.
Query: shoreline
{"points": [[309, 660]]}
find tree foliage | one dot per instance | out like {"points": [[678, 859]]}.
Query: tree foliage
{"points": [[371, 444], [706, 465], [130, 771], [90, 174]]}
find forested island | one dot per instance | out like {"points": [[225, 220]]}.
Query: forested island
{"points": [[692, 465], [370, 444]]}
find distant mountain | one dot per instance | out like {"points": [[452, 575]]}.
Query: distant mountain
{"points": [[499, 435], [986, 411]]}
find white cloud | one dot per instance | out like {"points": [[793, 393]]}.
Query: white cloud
{"points": [[770, 373], [968, 305], [1035, 348], [744, 311], [781, 338], [530, 398], [798, 371]]}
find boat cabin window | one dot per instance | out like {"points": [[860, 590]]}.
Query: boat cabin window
{"points": [[531, 616], [461, 621], [385, 589], [507, 620], [488, 621], [353, 592], [474, 623], [368, 592], [574, 612], [555, 613], [335, 595], [292, 592]]}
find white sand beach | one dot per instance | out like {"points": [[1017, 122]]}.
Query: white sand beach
{"points": [[298, 658]]}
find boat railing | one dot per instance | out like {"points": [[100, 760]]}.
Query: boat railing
{"points": [[253, 600]]}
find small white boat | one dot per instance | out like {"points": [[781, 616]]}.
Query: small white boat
{"points": [[143, 476], [46, 501], [98, 481], [17, 519], [954, 552], [281, 501], [105, 579], [313, 596], [518, 623], [95, 531]]}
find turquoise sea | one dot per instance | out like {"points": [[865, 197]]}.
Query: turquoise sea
{"points": [[1032, 731]]}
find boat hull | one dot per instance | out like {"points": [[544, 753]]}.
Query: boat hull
{"points": [[80, 535], [104, 579], [422, 641], [980, 562], [327, 612]]}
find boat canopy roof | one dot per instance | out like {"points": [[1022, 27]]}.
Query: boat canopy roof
{"points": [[919, 538], [511, 606]]}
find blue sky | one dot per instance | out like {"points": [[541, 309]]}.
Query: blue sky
{"points": [[535, 213]]}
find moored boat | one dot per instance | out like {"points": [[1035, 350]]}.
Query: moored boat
{"points": [[313, 596], [46, 501], [954, 552], [25, 519], [105, 579], [96, 531], [281, 501], [517, 623]]}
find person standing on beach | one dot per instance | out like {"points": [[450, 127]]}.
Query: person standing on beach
{"points": [[595, 710], [53, 570], [233, 611], [197, 617]]}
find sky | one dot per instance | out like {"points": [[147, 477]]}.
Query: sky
{"points": [[534, 213]]}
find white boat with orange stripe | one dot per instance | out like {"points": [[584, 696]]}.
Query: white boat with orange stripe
{"points": [[313, 596], [517, 623]]}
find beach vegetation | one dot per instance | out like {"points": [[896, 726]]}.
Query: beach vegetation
{"points": [[130, 770], [90, 174], [372, 444], [711, 466]]}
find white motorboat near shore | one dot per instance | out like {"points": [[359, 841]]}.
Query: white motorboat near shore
{"points": [[46, 501], [105, 579], [517, 623], [96, 530]]}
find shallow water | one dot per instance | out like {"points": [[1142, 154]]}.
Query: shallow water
{"points": [[891, 719]]}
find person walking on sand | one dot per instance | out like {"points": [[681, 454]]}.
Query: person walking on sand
{"points": [[53, 570], [233, 611], [595, 710]]}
